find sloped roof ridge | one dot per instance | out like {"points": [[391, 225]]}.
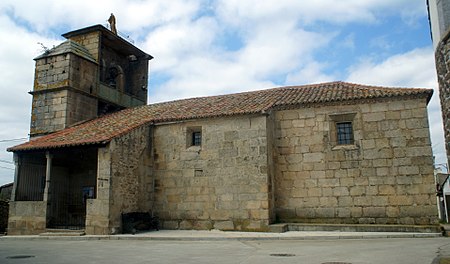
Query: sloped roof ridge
{"points": [[104, 129], [68, 46]]}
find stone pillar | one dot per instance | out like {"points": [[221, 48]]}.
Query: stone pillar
{"points": [[47, 192], [16, 176]]}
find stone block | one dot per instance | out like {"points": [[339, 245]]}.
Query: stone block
{"points": [[380, 201], [314, 192], [418, 211], [343, 212], [404, 180], [387, 190], [408, 170], [220, 215], [362, 201], [305, 213], [340, 191], [325, 212], [347, 182], [357, 190], [378, 116], [328, 201], [328, 182], [327, 192], [299, 123], [286, 124], [366, 220], [345, 201], [224, 225], [170, 225], [252, 204], [400, 200], [313, 157]]}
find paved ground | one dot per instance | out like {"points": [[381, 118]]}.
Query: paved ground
{"points": [[229, 247], [215, 235]]}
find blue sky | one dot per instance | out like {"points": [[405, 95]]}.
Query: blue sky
{"points": [[209, 47]]}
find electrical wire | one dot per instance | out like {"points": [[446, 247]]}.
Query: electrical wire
{"points": [[13, 139]]}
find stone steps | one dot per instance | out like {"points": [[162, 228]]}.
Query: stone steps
{"points": [[63, 232], [284, 227]]}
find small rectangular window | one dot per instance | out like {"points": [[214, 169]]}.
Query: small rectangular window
{"points": [[193, 136], [196, 138], [344, 133]]}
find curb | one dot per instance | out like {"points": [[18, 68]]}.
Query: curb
{"points": [[220, 238]]}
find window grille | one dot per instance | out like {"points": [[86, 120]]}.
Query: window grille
{"points": [[196, 138], [344, 133]]}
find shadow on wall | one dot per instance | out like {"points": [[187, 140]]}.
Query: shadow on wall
{"points": [[5, 195]]}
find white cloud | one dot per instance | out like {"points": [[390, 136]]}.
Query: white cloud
{"points": [[312, 72], [17, 51], [197, 64], [411, 69], [131, 15], [173, 43], [238, 12]]}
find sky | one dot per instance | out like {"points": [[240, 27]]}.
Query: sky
{"points": [[211, 47]]}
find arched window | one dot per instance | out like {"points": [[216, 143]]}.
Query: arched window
{"points": [[116, 78]]}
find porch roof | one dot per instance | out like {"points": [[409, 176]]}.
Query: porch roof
{"points": [[103, 129]]}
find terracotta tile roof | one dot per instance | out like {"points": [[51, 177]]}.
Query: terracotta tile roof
{"points": [[104, 129]]}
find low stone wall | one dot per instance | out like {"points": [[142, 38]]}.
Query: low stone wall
{"points": [[97, 221], [27, 218]]}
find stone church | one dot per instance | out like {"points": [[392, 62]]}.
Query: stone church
{"points": [[333, 152]]}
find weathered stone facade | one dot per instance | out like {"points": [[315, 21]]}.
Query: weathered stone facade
{"points": [[59, 109], [124, 182], [248, 172], [386, 177], [231, 162], [221, 184], [442, 53], [285, 166]]}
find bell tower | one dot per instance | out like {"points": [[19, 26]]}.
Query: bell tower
{"points": [[92, 73]]}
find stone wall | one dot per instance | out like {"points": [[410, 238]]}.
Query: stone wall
{"points": [[131, 175], [27, 218], [55, 102], [124, 182], [80, 107], [56, 110], [442, 56], [91, 41], [52, 72], [97, 210], [386, 177], [222, 184]]}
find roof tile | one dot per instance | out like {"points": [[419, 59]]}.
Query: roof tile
{"points": [[104, 129]]}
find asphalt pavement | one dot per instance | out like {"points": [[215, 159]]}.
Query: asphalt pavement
{"points": [[169, 246]]}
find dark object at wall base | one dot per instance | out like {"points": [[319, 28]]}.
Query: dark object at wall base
{"points": [[138, 221]]}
